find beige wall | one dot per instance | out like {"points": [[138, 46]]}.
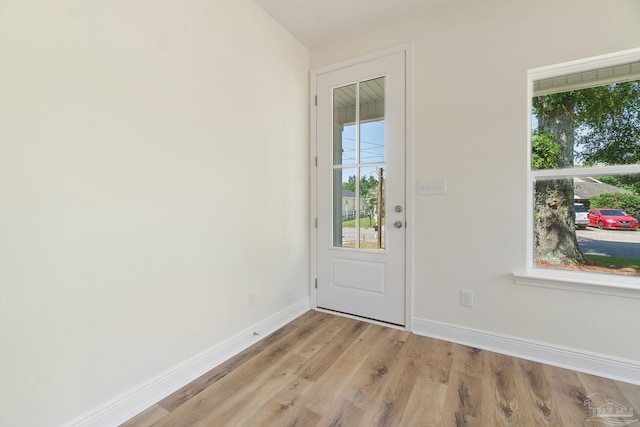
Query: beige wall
{"points": [[470, 79], [153, 171]]}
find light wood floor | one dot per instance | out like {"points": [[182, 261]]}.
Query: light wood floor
{"points": [[326, 370]]}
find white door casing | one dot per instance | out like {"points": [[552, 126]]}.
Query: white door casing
{"points": [[353, 276]]}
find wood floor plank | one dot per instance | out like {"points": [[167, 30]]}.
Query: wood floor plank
{"points": [[504, 377], [326, 396], [472, 361], [286, 407], [322, 360], [608, 389], [389, 407], [342, 413], [602, 391], [233, 398], [332, 397], [282, 408], [439, 360], [220, 400], [632, 393], [426, 400], [372, 378], [512, 401], [321, 337], [376, 352], [326, 370], [569, 394], [463, 402], [425, 405], [469, 400], [544, 409], [342, 384], [192, 389]]}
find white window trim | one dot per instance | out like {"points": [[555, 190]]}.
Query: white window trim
{"points": [[599, 283]]}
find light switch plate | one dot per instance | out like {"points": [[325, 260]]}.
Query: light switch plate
{"points": [[432, 187]]}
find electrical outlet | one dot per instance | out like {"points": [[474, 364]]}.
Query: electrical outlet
{"points": [[251, 299], [466, 298]]}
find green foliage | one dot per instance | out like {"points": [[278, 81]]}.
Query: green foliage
{"points": [[350, 184], [629, 203], [544, 151], [628, 182], [609, 118], [366, 184], [371, 200], [606, 120], [368, 191], [545, 107]]}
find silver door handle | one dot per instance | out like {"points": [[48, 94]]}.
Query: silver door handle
{"points": [[397, 224]]}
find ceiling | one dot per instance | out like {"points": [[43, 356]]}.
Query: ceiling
{"points": [[315, 22]]}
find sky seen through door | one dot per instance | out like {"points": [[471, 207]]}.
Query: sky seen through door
{"points": [[371, 143]]}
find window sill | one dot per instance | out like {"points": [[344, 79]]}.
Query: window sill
{"points": [[622, 286]]}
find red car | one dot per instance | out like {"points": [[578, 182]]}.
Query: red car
{"points": [[611, 218]]}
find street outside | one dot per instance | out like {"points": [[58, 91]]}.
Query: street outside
{"points": [[367, 235], [618, 243]]}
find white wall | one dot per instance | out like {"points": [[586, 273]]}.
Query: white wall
{"points": [[153, 171], [471, 62]]}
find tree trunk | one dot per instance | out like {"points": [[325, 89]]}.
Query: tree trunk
{"points": [[561, 123], [554, 226], [555, 235]]}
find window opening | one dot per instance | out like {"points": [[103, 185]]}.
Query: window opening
{"points": [[585, 169]]}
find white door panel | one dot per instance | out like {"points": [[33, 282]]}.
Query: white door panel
{"points": [[358, 275]]}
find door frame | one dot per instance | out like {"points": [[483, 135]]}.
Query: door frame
{"points": [[407, 48]]}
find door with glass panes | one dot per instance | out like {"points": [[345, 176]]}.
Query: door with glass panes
{"points": [[360, 124]]}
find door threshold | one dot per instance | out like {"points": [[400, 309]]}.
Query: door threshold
{"points": [[364, 319]]}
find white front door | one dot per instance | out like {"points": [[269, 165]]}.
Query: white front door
{"points": [[360, 125]]}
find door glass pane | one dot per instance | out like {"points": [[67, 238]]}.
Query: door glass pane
{"points": [[358, 159], [344, 132], [345, 207], [372, 218], [348, 145], [372, 143]]}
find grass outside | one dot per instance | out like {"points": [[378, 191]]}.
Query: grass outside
{"points": [[600, 264], [613, 262], [363, 245], [365, 222]]}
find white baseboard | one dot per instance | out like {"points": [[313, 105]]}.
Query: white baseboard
{"points": [[578, 360], [131, 403]]}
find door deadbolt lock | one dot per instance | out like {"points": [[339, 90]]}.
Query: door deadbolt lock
{"points": [[398, 208]]}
